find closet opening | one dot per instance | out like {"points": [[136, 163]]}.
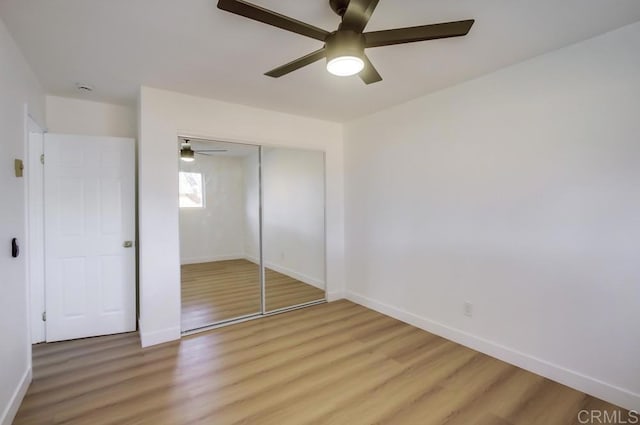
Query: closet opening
{"points": [[252, 231]]}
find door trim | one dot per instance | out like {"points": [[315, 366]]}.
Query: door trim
{"points": [[35, 232]]}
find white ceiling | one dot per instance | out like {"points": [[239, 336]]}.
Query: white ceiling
{"points": [[192, 47]]}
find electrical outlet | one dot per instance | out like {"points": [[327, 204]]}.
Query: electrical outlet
{"points": [[468, 309]]}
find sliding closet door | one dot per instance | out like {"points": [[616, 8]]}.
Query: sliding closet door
{"points": [[293, 231], [219, 232]]}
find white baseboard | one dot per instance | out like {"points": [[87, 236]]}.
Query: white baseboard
{"points": [[294, 274], [289, 272], [335, 296], [11, 409], [616, 395], [211, 259], [147, 339]]}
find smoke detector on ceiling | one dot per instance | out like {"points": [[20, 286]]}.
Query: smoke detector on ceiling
{"points": [[86, 88]]}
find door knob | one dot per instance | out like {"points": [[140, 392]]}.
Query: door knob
{"points": [[127, 244]]}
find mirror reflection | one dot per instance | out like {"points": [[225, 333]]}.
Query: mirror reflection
{"points": [[293, 226], [219, 230], [252, 230]]}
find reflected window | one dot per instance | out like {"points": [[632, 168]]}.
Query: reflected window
{"points": [[191, 193]]}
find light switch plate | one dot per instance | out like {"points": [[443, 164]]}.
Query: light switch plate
{"points": [[19, 167]]}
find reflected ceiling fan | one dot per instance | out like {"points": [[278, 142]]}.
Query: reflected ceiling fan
{"points": [[187, 153], [344, 48]]}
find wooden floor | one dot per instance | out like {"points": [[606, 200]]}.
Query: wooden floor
{"points": [[336, 363], [223, 290]]}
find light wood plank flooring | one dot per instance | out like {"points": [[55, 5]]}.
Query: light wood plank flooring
{"points": [[336, 363], [284, 291], [223, 290]]}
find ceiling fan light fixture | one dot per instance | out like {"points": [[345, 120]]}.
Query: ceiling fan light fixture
{"points": [[187, 154], [345, 66], [345, 53]]}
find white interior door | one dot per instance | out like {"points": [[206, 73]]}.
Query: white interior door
{"points": [[89, 217]]}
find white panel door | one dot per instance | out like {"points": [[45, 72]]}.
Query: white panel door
{"points": [[89, 215]]}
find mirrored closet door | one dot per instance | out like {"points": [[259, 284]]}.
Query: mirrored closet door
{"points": [[252, 233], [293, 227], [219, 232]]}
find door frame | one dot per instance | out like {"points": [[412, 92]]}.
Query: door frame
{"points": [[34, 236]]}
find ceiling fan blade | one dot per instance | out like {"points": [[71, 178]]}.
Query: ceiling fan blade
{"points": [[369, 74], [420, 33], [297, 64], [266, 16], [210, 150], [358, 14]]}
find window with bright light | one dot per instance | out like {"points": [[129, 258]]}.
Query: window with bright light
{"points": [[191, 193]]}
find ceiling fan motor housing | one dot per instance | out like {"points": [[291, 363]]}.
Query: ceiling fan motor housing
{"points": [[339, 6], [344, 43]]}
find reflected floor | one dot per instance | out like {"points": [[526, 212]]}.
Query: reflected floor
{"points": [[223, 290]]}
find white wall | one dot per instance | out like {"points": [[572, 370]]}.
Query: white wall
{"points": [[77, 116], [251, 213], [164, 115], [293, 213], [18, 87], [518, 192], [215, 232]]}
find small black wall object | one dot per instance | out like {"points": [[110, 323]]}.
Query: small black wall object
{"points": [[15, 249]]}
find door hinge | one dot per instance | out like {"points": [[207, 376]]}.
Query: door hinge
{"points": [[42, 159], [44, 316]]}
